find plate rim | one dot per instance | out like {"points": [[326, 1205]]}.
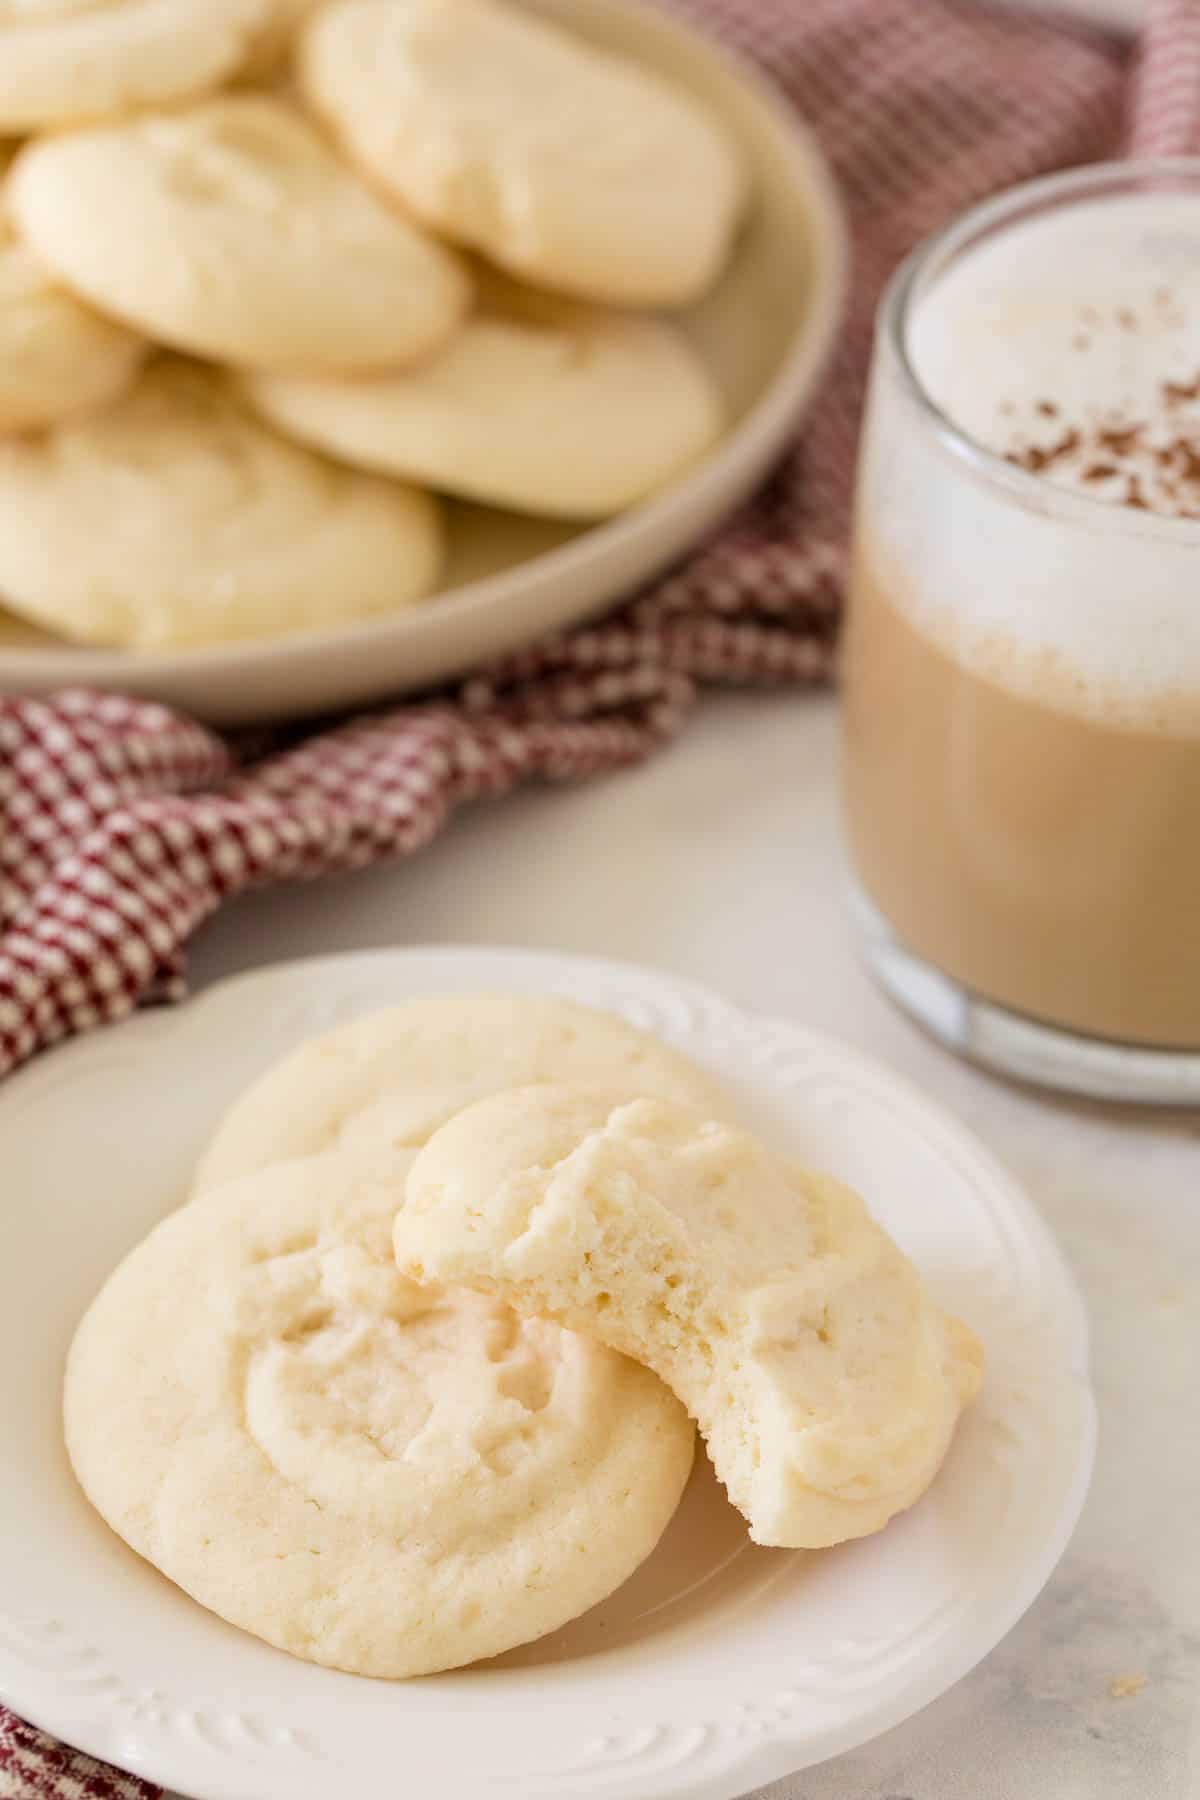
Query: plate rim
{"points": [[750, 445], [773, 1755]]}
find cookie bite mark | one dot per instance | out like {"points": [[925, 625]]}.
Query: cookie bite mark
{"points": [[826, 1383]]}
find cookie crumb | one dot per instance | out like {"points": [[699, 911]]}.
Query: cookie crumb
{"points": [[1126, 1686]]}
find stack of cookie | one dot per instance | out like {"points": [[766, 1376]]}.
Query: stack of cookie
{"points": [[270, 271], [412, 1377]]}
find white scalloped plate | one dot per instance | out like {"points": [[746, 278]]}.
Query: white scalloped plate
{"points": [[719, 1665]]}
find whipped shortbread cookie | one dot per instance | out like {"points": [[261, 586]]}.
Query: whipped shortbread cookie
{"points": [[58, 356], [175, 518], [547, 405], [393, 1077], [563, 164], [371, 1475], [232, 231], [62, 61], [825, 1382]]}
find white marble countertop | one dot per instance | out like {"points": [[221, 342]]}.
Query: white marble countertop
{"points": [[721, 860]]}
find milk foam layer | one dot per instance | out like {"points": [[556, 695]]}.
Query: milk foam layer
{"points": [[1069, 325]]}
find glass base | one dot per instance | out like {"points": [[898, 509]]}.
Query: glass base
{"points": [[1017, 1046]]}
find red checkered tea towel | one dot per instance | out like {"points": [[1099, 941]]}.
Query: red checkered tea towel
{"points": [[123, 826]]}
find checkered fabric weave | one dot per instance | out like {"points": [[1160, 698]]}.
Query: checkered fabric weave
{"points": [[123, 826], [36, 1767], [1165, 111]]}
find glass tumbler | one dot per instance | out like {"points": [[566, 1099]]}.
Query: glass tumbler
{"points": [[1021, 753]]}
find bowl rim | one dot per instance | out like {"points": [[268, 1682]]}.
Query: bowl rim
{"points": [[753, 438]]}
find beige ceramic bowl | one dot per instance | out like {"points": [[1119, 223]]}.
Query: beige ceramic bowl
{"points": [[765, 332]]}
